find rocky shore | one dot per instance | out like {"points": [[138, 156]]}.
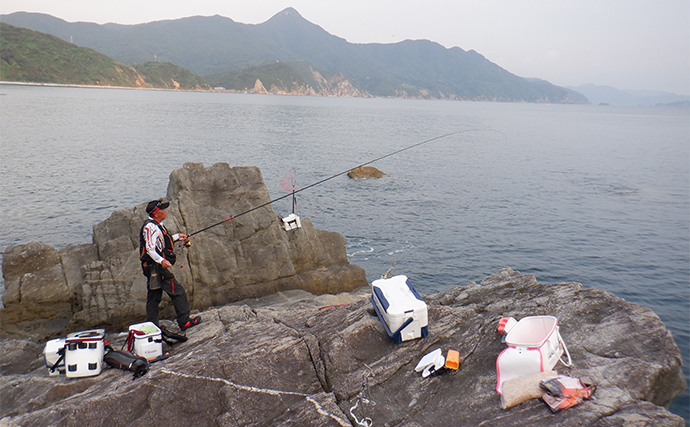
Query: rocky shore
{"points": [[289, 335], [297, 359]]}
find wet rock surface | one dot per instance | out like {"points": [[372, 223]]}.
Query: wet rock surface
{"points": [[297, 359]]}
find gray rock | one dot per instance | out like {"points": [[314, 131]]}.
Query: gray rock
{"points": [[256, 364], [101, 284], [35, 288], [19, 356]]}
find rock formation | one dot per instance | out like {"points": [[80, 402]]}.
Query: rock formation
{"points": [[311, 365], [259, 88], [365, 172], [101, 284]]}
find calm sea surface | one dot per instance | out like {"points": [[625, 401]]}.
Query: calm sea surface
{"points": [[591, 194]]}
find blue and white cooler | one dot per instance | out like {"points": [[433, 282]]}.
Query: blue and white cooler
{"points": [[400, 308]]}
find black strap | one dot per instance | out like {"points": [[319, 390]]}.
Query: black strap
{"points": [[61, 352]]}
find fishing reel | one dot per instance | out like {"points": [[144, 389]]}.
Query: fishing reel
{"points": [[389, 273]]}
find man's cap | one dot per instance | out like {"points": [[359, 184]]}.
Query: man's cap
{"points": [[155, 205]]}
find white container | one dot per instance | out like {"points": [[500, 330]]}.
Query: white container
{"points": [[291, 222], [400, 308], [51, 354], [84, 353], [147, 340], [534, 345]]}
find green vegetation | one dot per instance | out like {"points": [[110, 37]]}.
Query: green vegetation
{"points": [[30, 56], [296, 77], [170, 76], [277, 75]]}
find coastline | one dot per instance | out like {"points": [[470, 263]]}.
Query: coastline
{"points": [[108, 87]]}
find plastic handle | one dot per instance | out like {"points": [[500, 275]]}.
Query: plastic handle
{"points": [[404, 325], [570, 361]]}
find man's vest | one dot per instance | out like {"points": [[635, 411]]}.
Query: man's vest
{"points": [[168, 249]]}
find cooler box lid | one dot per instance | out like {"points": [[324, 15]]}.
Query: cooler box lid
{"points": [[397, 295], [92, 335], [148, 328]]}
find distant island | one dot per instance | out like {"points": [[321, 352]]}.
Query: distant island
{"points": [[606, 95], [284, 55]]}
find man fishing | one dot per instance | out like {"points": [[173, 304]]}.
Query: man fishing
{"points": [[156, 249]]}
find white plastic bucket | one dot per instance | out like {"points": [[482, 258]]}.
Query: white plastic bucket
{"points": [[534, 345], [532, 332]]}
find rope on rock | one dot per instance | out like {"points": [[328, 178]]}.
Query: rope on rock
{"points": [[268, 391], [237, 386], [365, 397]]}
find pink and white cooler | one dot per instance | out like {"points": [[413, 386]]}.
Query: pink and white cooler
{"points": [[534, 345]]}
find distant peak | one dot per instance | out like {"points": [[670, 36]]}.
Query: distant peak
{"points": [[287, 15], [289, 11]]}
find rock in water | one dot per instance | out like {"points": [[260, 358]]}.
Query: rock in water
{"points": [[101, 284], [365, 172]]}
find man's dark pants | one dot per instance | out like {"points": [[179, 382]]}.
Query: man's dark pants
{"points": [[165, 281]]}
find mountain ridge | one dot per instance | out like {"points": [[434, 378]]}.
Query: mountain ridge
{"points": [[218, 46]]}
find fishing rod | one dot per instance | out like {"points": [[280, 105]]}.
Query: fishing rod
{"points": [[343, 173]]}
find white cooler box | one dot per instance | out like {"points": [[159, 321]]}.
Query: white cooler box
{"points": [[84, 353], [51, 354], [534, 345], [400, 308], [147, 340]]}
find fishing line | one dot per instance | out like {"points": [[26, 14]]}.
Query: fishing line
{"points": [[344, 172]]}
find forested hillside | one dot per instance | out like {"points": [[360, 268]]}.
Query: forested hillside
{"points": [[31, 56]]}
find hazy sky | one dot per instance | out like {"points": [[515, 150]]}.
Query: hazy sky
{"points": [[627, 44]]}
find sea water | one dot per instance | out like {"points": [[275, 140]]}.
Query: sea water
{"points": [[598, 195]]}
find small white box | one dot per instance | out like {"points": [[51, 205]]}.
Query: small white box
{"points": [[147, 340], [291, 222], [400, 308], [52, 353], [84, 353]]}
